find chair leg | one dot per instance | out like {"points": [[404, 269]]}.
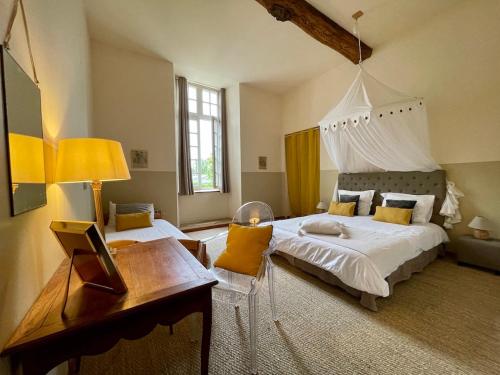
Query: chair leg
{"points": [[270, 278], [253, 305], [232, 297]]}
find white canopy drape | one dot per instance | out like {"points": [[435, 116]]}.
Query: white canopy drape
{"points": [[376, 128]]}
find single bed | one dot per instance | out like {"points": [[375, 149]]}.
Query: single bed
{"points": [[377, 255], [160, 229]]}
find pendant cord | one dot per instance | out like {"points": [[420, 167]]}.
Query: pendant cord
{"points": [[8, 35], [358, 34]]}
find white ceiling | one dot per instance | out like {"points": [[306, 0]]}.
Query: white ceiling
{"points": [[221, 42]]}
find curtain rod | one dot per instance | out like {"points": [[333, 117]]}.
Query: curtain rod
{"points": [[199, 83], [302, 131]]}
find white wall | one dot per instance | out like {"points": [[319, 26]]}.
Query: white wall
{"points": [[29, 254], [134, 103], [453, 66], [450, 60], [261, 133]]}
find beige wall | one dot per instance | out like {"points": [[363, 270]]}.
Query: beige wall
{"points": [[133, 102], [29, 253], [261, 135], [455, 69]]}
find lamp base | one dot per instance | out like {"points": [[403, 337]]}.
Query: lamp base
{"points": [[481, 234], [96, 188]]}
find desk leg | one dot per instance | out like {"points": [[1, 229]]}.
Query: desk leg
{"points": [[207, 332]]}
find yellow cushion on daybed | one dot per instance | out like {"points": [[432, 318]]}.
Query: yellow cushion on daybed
{"points": [[342, 209], [244, 248], [133, 221], [393, 215]]}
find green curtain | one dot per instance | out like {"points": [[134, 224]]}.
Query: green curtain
{"points": [[302, 171]]}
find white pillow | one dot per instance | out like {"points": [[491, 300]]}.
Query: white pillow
{"points": [[322, 226], [365, 200], [422, 212], [112, 214]]}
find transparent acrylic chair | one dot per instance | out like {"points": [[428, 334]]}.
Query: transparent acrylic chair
{"points": [[234, 287]]}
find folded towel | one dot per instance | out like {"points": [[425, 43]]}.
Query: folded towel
{"points": [[321, 226]]}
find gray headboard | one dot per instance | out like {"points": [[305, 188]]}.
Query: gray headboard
{"points": [[399, 182]]}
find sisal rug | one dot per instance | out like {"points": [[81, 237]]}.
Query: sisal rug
{"points": [[445, 320]]}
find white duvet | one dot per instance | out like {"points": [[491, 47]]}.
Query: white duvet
{"points": [[371, 253], [160, 229]]}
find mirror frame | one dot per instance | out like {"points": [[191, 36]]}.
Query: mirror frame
{"points": [[5, 119]]}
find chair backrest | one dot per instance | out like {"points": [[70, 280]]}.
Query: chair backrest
{"points": [[198, 249], [252, 214]]}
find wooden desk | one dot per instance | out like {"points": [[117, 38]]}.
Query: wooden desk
{"points": [[165, 284]]}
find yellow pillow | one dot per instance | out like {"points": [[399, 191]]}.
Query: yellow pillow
{"points": [[244, 248], [133, 221], [393, 215], [342, 209]]}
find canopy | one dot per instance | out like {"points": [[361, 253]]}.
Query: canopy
{"points": [[376, 128]]}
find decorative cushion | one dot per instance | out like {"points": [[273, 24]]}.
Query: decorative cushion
{"points": [[422, 212], [129, 208], [342, 209], [350, 198], [244, 249], [400, 204], [133, 221], [365, 200], [393, 215]]}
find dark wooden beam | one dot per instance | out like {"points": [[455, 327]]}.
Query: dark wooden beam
{"points": [[317, 25]]}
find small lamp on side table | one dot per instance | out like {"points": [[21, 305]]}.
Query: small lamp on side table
{"points": [[481, 227], [321, 207], [91, 160]]}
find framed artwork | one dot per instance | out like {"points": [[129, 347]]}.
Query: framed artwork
{"points": [[262, 162], [139, 158]]}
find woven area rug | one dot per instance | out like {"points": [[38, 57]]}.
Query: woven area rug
{"points": [[445, 320]]}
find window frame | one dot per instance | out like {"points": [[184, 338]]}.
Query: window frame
{"points": [[199, 116]]}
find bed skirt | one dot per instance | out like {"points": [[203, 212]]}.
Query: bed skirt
{"points": [[368, 300]]}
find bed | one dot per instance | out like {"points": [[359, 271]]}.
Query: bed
{"points": [[160, 229], [377, 255]]}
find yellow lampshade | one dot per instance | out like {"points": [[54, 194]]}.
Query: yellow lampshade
{"points": [[90, 159], [26, 159]]}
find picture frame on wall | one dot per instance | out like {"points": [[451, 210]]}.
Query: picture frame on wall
{"points": [[139, 159], [263, 162]]}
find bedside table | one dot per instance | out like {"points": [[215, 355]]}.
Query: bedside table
{"points": [[482, 253]]}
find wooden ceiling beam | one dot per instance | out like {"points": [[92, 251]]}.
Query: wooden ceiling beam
{"points": [[317, 25]]}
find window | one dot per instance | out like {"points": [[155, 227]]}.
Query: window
{"points": [[204, 137]]}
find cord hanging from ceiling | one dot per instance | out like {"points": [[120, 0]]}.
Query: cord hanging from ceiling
{"points": [[356, 16], [8, 35]]}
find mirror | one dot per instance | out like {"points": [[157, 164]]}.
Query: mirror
{"points": [[22, 116]]}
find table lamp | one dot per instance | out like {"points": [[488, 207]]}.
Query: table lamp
{"points": [[322, 207], [91, 160], [26, 160], [481, 227]]}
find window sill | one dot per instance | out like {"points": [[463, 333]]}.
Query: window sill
{"points": [[207, 191]]}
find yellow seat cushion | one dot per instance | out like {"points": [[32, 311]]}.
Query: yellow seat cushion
{"points": [[342, 209], [393, 215], [244, 248], [133, 221]]}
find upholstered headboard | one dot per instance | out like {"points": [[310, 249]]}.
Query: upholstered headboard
{"points": [[399, 182]]}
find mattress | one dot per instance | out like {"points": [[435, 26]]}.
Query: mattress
{"points": [[371, 253], [160, 229]]}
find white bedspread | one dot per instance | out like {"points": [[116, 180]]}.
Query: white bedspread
{"points": [[160, 229], [363, 261]]}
